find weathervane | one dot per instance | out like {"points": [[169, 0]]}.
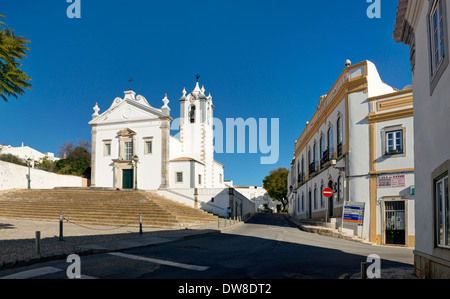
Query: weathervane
{"points": [[197, 76]]}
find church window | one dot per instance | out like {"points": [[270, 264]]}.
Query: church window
{"points": [[199, 179], [179, 177], [192, 114], [107, 149], [148, 147], [129, 150]]}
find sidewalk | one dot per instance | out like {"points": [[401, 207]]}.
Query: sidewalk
{"points": [[398, 273], [326, 231], [18, 239]]}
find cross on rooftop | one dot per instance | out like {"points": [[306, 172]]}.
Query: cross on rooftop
{"points": [[131, 80]]}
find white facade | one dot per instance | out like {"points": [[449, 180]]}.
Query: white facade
{"points": [[132, 129], [418, 24], [351, 125]]}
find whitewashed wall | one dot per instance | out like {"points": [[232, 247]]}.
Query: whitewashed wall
{"points": [[14, 176], [212, 200]]}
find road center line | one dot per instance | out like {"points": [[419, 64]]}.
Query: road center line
{"points": [[161, 262], [32, 273]]}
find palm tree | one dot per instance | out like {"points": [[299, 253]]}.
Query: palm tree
{"points": [[13, 48]]}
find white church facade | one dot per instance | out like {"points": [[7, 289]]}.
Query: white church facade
{"points": [[132, 147]]}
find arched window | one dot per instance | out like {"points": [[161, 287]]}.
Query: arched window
{"points": [[339, 136], [330, 142], [303, 202], [315, 197], [192, 114], [322, 203], [322, 146]]}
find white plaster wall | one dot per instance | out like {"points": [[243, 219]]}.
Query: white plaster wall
{"points": [[359, 191], [359, 133], [376, 85], [212, 200], [180, 166], [431, 113], [14, 176]]}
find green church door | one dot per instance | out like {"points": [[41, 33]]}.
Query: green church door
{"points": [[127, 179]]}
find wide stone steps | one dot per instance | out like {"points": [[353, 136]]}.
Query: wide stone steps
{"points": [[95, 207]]}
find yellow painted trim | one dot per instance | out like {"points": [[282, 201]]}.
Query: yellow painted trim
{"points": [[379, 117], [390, 95], [350, 86], [373, 147], [395, 103], [373, 209], [392, 171], [379, 240]]}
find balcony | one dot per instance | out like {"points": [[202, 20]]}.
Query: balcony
{"points": [[300, 178], [325, 158], [312, 168], [339, 150]]}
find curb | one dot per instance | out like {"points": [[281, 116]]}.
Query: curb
{"points": [[326, 232]]}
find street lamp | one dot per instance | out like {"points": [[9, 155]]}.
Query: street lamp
{"points": [[333, 162], [29, 173], [136, 160]]}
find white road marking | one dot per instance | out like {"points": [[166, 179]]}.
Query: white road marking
{"points": [[32, 273], [161, 262]]}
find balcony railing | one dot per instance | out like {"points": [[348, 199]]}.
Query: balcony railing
{"points": [[312, 168], [300, 178], [325, 157], [339, 149]]}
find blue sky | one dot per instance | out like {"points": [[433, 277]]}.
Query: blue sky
{"points": [[259, 59]]}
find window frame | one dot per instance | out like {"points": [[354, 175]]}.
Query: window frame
{"points": [[176, 177], [106, 144], [397, 142], [147, 141], [444, 203], [126, 150], [385, 141], [437, 69]]}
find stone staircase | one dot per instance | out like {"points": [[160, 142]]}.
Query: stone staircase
{"points": [[101, 207]]}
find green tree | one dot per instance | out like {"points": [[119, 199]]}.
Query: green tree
{"points": [[78, 162], [13, 49], [75, 160], [46, 164], [276, 184]]}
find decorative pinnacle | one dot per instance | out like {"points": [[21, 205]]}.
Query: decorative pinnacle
{"points": [[96, 110], [166, 102]]}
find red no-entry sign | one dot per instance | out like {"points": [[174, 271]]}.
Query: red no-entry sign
{"points": [[327, 192]]}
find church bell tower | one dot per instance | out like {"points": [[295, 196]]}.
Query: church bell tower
{"points": [[196, 130]]}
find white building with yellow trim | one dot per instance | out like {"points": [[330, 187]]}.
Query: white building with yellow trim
{"points": [[359, 143]]}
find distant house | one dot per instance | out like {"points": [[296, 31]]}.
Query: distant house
{"points": [[425, 26], [26, 152]]}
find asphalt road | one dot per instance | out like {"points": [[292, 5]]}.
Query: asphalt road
{"points": [[267, 247]]}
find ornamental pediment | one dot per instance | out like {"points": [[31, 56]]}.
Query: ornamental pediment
{"points": [[126, 132]]}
